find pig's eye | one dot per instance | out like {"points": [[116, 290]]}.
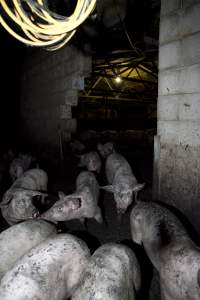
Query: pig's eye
{"points": [[59, 209]]}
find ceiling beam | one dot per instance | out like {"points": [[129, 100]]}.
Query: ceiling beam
{"points": [[126, 79], [94, 98]]}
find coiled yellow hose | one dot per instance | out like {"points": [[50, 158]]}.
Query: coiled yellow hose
{"points": [[41, 27]]}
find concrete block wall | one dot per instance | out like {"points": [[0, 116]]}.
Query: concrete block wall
{"points": [[179, 107], [49, 89]]}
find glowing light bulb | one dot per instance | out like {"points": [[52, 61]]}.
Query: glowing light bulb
{"points": [[118, 79]]}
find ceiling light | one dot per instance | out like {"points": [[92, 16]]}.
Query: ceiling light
{"points": [[118, 79]]}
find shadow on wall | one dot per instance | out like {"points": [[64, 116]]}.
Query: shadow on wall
{"points": [[194, 235]]}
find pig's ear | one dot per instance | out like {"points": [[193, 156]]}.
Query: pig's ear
{"points": [[19, 171], [6, 199], [32, 193], [61, 195], [136, 229], [108, 188], [138, 187]]}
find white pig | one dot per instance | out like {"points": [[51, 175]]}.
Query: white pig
{"points": [[91, 161], [33, 179], [18, 239], [105, 149], [20, 164], [122, 181], [76, 146], [170, 249], [79, 205], [49, 271], [17, 200], [113, 273]]}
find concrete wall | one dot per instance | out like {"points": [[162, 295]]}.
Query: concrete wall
{"points": [[50, 88], [179, 107]]}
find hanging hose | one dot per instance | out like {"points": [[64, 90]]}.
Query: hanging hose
{"points": [[41, 27]]}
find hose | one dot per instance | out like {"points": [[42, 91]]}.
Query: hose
{"points": [[41, 27]]}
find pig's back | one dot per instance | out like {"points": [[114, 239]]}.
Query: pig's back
{"points": [[52, 268], [116, 165], [108, 275], [35, 179], [18, 239]]}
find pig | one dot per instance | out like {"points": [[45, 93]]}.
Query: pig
{"points": [[105, 149], [17, 203], [19, 165], [83, 203], [33, 179], [76, 146], [170, 249], [91, 161], [18, 239], [113, 273], [121, 181], [51, 270]]}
